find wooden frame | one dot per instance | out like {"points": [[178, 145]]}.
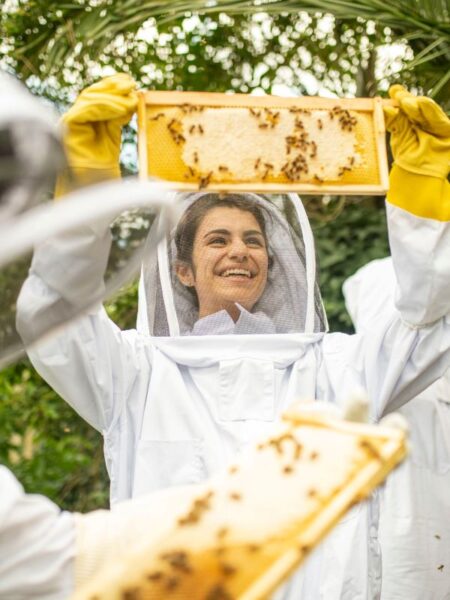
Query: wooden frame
{"points": [[373, 106]]}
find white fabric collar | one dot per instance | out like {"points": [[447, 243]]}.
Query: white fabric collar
{"points": [[220, 323]]}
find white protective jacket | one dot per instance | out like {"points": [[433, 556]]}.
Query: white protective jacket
{"points": [[174, 410], [414, 523]]}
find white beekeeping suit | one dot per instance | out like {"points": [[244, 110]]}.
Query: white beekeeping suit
{"points": [[414, 525], [176, 400]]}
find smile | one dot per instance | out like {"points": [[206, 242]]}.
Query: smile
{"points": [[237, 272]]}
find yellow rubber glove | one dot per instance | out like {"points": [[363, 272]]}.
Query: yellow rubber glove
{"points": [[420, 142], [93, 129]]}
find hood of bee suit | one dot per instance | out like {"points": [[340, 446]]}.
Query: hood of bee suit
{"points": [[291, 298], [370, 294]]}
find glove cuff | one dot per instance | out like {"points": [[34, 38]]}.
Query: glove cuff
{"points": [[78, 177], [423, 196], [94, 547]]}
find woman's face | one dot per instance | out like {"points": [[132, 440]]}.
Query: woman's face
{"points": [[230, 262]]}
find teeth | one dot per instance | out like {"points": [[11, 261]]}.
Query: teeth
{"points": [[229, 272]]}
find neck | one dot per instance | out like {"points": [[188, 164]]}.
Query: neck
{"points": [[231, 309]]}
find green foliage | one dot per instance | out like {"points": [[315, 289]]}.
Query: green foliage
{"points": [[344, 244], [40, 36], [49, 448]]}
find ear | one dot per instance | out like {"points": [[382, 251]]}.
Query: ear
{"points": [[185, 274]]}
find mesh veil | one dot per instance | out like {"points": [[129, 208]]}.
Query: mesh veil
{"points": [[291, 298]]}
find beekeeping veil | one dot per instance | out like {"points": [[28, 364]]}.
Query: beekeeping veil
{"points": [[291, 298]]}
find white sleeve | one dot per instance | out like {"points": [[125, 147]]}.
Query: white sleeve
{"points": [[402, 349], [90, 362], [37, 544], [421, 258]]}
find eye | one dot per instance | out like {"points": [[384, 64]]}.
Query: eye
{"points": [[217, 241], [255, 242]]}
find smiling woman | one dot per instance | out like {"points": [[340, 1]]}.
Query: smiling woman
{"points": [[235, 263], [222, 254]]}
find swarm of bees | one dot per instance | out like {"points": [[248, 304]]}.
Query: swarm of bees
{"points": [[302, 161]]}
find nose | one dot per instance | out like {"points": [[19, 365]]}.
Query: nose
{"points": [[238, 250]]}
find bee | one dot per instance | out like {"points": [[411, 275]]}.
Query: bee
{"points": [[253, 547], [178, 560], [288, 469], [130, 594], [257, 163], [218, 592], [317, 178], [298, 451], [319, 123], [156, 117], [222, 532], [314, 455], [223, 168], [312, 493], [227, 569], [200, 129], [192, 129], [235, 496], [440, 568], [195, 157], [233, 469], [263, 125], [155, 576], [172, 583]]}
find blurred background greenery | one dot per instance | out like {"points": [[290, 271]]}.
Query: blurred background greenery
{"points": [[281, 46]]}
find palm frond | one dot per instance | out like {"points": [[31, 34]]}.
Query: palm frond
{"points": [[73, 30]]}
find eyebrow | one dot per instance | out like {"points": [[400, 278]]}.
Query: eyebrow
{"points": [[227, 232]]}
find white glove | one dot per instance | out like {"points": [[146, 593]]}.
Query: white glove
{"points": [[105, 536]]}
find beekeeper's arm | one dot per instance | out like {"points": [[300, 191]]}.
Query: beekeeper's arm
{"points": [[68, 271], [418, 207], [48, 553], [37, 544], [409, 348]]}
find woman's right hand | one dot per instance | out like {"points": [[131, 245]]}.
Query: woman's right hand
{"points": [[93, 129]]}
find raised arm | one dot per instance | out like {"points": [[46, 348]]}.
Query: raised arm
{"points": [[408, 348], [84, 363], [418, 207]]}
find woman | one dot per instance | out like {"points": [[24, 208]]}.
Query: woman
{"points": [[220, 233], [177, 400]]}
